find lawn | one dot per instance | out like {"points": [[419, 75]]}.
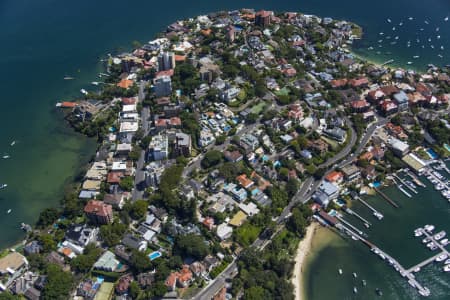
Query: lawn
{"points": [[247, 234], [257, 109], [283, 92]]}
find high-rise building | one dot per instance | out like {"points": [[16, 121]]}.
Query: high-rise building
{"points": [[262, 18], [166, 61], [162, 86]]}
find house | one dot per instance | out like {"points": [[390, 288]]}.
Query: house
{"points": [[210, 262], [55, 258], [81, 235], [335, 177], [401, 99], [244, 181], [115, 200], [233, 156], [183, 278], [249, 209], [33, 247], [351, 172], [398, 147], [107, 262], [13, 263], [146, 279], [369, 172], [115, 177], [158, 148], [249, 142], [32, 294], [134, 242], [182, 144], [336, 133], [99, 212], [295, 113], [224, 231], [162, 86], [124, 284], [388, 107], [87, 289], [360, 106], [198, 269], [329, 189], [319, 146], [359, 82], [238, 219]]}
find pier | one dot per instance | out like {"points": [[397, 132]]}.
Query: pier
{"points": [[424, 263], [386, 198], [353, 213], [414, 178], [405, 184], [376, 213], [349, 225], [400, 187]]}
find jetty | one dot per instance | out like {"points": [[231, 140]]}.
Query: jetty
{"points": [[383, 195], [405, 184], [414, 178], [376, 213], [340, 218], [353, 213]]}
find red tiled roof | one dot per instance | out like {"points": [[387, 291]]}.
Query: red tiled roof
{"points": [[164, 73], [114, 177], [98, 208], [125, 83]]}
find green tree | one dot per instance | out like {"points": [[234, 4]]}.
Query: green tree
{"points": [[297, 222], [212, 158], [190, 245], [138, 209], [127, 183], [140, 261], [134, 290], [59, 283], [48, 217], [111, 234], [47, 241]]}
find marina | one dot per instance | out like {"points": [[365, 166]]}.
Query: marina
{"points": [[376, 213]]}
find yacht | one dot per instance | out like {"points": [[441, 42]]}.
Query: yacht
{"points": [[13, 143], [447, 268], [9, 211], [433, 247], [340, 271], [409, 62], [417, 270], [426, 22], [364, 283], [355, 275], [83, 91], [441, 257], [426, 240], [447, 261], [430, 244], [416, 56], [429, 228], [444, 242], [439, 235], [378, 292], [95, 83], [440, 56], [5, 156], [437, 29], [2, 186], [355, 290], [389, 20], [446, 19]]}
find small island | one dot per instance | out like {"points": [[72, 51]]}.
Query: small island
{"points": [[219, 143]]}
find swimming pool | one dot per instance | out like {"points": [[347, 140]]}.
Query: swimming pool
{"points": [[432, 154], [447, 147], [154, 255]]}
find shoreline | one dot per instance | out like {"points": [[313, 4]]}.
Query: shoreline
{"points": [[303, 250]]}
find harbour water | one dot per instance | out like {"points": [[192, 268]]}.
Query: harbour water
{"points": [[394, 235], [43, 41]]}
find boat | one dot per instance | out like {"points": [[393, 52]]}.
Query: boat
{"points": [[2, 186], [438, 37], [68, 78], [340, 271], [5, 156], [426, 22], [389, 20], [400, 24], [437, 29], [439, 235], [416, 56], [354, 275], [95, 83], [440, 56], [425, 292], [418, 233], [83, 91], [410, 184], [409, 62], [441, 257], [447, 261], [13, 143], [433, 247], [426, 240], [355, 290], [381, 33], [417, 270], [446, 19], [430, 244], [444, 242], [9, 211], [364, 283], [378, 292], [429, 228], [447, 268]]}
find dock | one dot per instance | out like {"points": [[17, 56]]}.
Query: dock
{"points": [[350, 225], [414, 178], [353, 213], [405, 184], [383, 195], [424, 263], [376, 213]]}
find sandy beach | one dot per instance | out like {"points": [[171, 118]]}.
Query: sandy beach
{"points": [[302, 252]]}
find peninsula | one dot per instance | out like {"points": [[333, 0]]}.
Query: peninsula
{"points": [[219, 142]]}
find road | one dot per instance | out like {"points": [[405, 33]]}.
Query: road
{"points": [[139, 188]]}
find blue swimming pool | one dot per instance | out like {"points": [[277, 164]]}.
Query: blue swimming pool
{"points": [[446, 146], [432, 154], [154, 255]]}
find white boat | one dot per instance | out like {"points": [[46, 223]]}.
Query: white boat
{"points": [[83, 91], [418, 233], [440, 56], [364, 283], [409, 62], [95, 83], [5, 156], [417, 270], [429, 228], [397, 37], [355, 290], [434, 247], [354, 275], [430, 244], [410, 18], [441, 257], [446, 19], [389, 20], [381, 33], [426, 240], [416, 56], [444, 242], [340, 271], [9, 211], [437, 29], [447, 261], [438, 37], [447, 268], [426, 22], [400, 24], [68, 78], [439, 235], [13, 143], [3, 186], [393, 28]]}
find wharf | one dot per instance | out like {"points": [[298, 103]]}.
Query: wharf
{"points": [[376, 213], [405, 184], [386, 198], [353, 213]]}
